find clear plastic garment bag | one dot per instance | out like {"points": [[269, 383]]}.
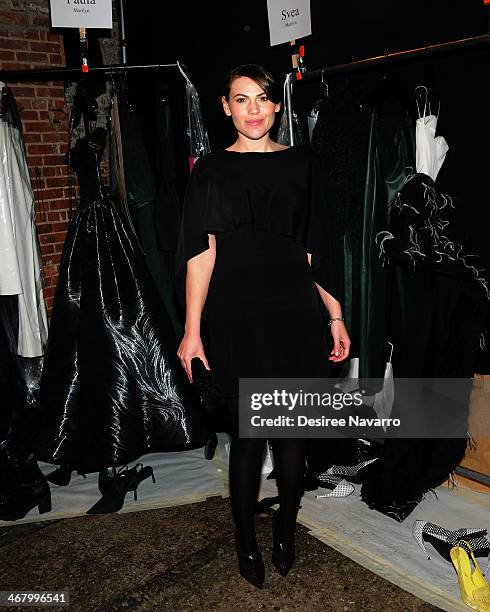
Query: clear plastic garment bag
{"points": [[20, 261]]}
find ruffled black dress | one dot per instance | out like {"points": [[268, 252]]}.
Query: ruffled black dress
{"points": [[264, 315]]}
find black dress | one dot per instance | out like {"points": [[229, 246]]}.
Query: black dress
{"points": [[112, 389], [264, 315], [434, 317]]}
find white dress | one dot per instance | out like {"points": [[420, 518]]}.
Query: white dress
{"points": [[430, 149], [20, 261]]}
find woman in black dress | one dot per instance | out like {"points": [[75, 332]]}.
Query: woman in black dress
{"points": [[257, 261]]}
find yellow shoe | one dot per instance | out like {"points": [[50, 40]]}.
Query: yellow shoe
{"points": [[475, 591]]}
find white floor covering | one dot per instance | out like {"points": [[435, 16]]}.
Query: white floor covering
{"points": [[370, 538]]}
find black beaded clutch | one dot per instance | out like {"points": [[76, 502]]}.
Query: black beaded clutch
{"points": [[208, 390]]}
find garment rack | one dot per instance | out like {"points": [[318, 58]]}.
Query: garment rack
{"points": [[395, 56], [373, 61], [75, 74], [380, 59]]}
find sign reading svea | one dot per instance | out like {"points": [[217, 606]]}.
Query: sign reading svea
{"points": [[288, 20], [81, 13]]}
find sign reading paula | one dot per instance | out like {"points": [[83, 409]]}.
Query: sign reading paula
{"points": [[81, 13]]}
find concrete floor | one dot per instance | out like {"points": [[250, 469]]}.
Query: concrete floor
{"points": [[182, 559]]}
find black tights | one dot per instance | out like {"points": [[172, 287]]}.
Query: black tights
{"points": [[246, 455]]}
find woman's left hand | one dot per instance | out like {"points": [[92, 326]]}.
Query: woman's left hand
{"points": [[341, 341]]}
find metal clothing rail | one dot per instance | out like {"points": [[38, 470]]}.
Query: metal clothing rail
{"points": [[380, 59], [75, 74], [396, 56]]}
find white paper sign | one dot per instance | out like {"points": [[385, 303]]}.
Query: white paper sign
{"points": [[81, 13], [288, 20]]}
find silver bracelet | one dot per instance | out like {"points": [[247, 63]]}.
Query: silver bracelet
{"points": [[335, 319]]}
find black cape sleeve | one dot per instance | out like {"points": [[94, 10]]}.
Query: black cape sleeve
{"points": [[291, 201], [193, 239]]}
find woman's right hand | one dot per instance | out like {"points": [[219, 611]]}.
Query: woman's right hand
{"points": [[190, 347]]}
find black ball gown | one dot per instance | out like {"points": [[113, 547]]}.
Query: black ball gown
{"points": [[264, 314], [111, 388], [439, 299]]}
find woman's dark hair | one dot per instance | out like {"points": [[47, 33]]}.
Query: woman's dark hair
{"points": [[257, 73]]}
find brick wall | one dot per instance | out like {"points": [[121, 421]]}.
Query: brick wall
{"points": [[27, 41]]}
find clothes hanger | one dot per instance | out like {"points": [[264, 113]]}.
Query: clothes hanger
{"points": [[84, 106], [427, 102], [323, 95], [389, 86], [4, 102], [324, 86], [9, 111], [125, 91]]}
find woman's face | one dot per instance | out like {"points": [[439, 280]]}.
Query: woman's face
{"points": [[252, 112]]}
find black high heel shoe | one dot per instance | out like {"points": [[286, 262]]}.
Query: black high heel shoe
{"points": [[251, 567], [283, 553], [112, 499], [106, 478], [114, 488]]}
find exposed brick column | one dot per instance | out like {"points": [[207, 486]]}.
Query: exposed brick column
{"points": [[45, 134], [26, 41]]}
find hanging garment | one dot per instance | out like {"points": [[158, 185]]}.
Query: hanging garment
{"points": [[394, 297], [322, 102], [427, 272], [20, 261], [366, 150], [142, 195], [168, 206], [312, 118], [431, 153], [341, 139], [167, 203], [111, 387], [19, 384], [197, 134], [359, 172], [290, 131], [430, 149], [390, 155]]}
